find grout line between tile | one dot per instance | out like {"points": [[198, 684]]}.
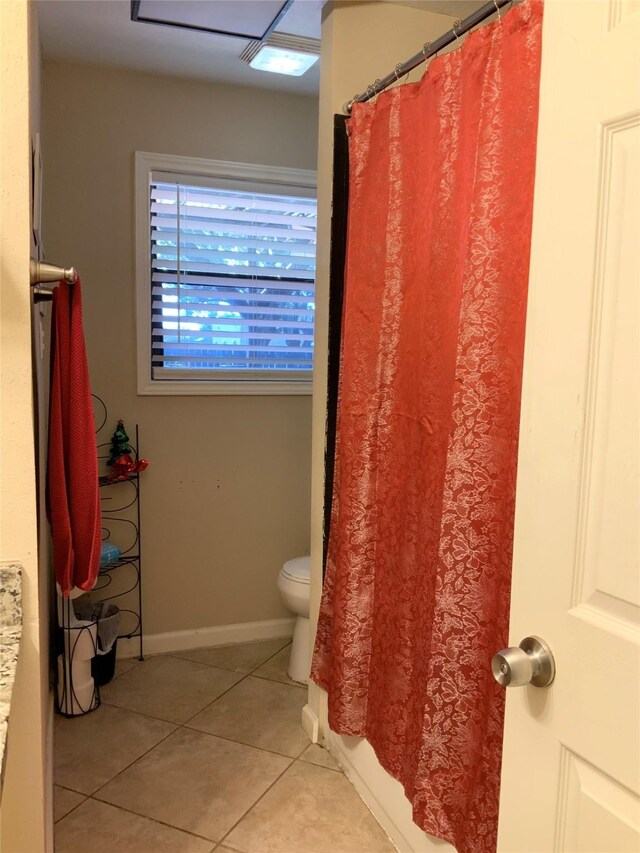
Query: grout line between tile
{"points": [[253, 805], [71, 790], [289, 683], [95, 794], [131, 763], [244, 743], [244, 676], [155, 820], [179, 656], [235, 849], [173, 722], [177, 726], [228, 690], [113, 704], [85, 797], [120, 674], [141, 713], [321, 766], [288, 643], [213, 701]]}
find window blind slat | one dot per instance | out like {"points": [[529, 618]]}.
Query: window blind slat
{"points": [[164, 230], [224, 375], [300, 229], [175, 309], [278, 255], [228, 360], [232, 215], [243, 340], [232, 281], [219, 297], [204, 239], [193, 284], [254, 271], [298, 338], [211, 323], [262, 205], [174, 351]]}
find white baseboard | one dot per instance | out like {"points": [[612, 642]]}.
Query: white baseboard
{"points": [[310, 723], [217, 635], [382, 794], [48, 774]]}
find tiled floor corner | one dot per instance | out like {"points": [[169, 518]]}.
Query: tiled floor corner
{"points": [[203, 750]]}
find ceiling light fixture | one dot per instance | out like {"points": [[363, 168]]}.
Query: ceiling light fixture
{"points": [[282, 61]]}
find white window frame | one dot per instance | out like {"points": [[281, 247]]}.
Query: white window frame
{"points": [[146, 163]]}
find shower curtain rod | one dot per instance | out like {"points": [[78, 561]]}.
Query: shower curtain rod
{"points": [[429, 50]]}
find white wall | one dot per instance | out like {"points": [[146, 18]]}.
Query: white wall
{"points": [[361, 41], [225, 499]]}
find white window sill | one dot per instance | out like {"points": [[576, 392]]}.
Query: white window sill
{"points": [[212, 387]]}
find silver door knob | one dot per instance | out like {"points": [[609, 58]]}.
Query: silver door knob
{"points": [[529, 663]]}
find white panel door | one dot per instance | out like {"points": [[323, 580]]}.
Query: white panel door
{"points": [[571, 768]]}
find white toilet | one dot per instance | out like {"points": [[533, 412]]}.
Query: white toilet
{"points": [[293, 583]]}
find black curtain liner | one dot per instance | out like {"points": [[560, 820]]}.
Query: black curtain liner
{"points": [[340, 204]]}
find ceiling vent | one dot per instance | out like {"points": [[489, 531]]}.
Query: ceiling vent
{"points": [[285, 41]]}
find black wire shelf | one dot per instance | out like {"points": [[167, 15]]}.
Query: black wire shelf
{"points": [[121, 580], [117, 564]]}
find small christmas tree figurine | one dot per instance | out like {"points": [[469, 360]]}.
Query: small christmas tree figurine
{"points": [[120, 460], [119, 444]]}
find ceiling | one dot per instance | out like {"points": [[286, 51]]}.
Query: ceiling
{"points": [[101, 32]]}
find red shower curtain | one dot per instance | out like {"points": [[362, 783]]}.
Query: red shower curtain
{"points": [[416, 597]]}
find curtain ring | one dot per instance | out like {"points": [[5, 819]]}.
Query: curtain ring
{"points": [[456, 24], [425, 50], [396, 70], [349, 105], [495, 3]]}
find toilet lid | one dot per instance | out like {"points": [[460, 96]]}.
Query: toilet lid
{"points": [[298, 569]]}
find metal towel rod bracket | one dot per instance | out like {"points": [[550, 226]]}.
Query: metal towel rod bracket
{"points": [[41, 273]]}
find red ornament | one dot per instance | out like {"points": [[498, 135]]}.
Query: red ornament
{"points": [[121, 468], [125, 466]]}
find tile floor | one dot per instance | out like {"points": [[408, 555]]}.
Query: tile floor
{"points": [[201, 751]]}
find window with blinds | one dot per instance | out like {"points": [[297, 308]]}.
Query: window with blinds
{"points": [[232, 275]]}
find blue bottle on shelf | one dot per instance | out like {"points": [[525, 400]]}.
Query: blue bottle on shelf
{"points": [[109, 554]]}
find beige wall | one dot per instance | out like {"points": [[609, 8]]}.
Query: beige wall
{"points": [[26, 795], [226, 496]]}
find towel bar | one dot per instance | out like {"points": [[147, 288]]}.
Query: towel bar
{"points": [[41, 273]]}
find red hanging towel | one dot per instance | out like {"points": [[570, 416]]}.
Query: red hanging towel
{"points": [[73, 502]]}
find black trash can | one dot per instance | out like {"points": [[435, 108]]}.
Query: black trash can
{"points": [[107, 615], [103, 666]]}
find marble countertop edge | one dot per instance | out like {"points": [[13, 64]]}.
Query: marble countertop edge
{"points": [[10, 636]]}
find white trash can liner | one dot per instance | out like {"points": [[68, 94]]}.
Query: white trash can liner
{"points": [[108, 617]]}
